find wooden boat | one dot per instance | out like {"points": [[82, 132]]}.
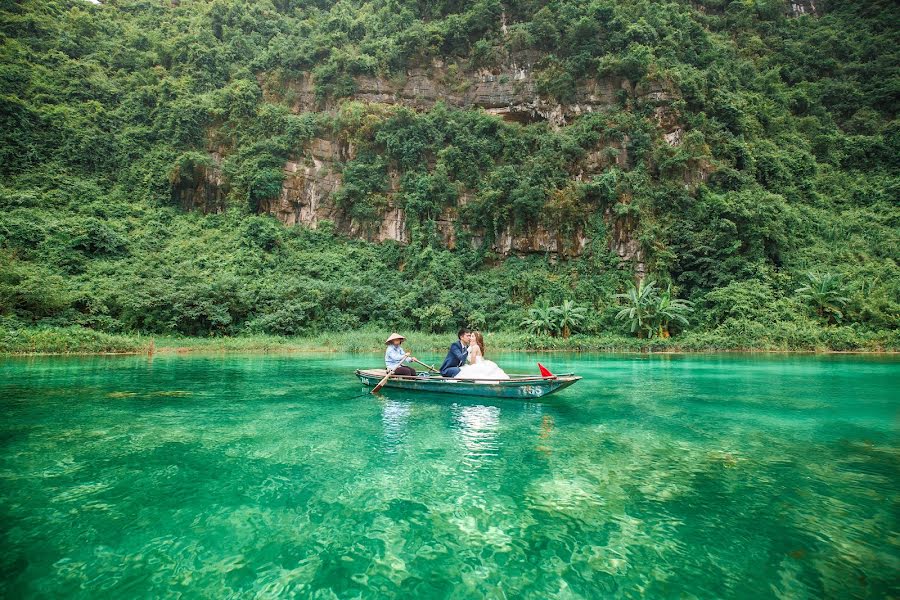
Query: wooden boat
{"points": [[517, 386]]}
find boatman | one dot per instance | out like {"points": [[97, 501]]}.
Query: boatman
{"points": [[457, 355], [395, 356]]}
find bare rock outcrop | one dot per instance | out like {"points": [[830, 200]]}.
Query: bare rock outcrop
{"points": [[509, 90], [310, 180], [200, 187], [797, 8], [308, 185]]}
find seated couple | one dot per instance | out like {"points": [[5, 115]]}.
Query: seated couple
{"points": [[465, 360]]}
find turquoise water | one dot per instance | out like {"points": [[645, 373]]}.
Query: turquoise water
{"points": [[263, 476]]}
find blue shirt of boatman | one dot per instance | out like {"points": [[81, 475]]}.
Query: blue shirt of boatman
{"points": [[393, 356], [456, 357]]}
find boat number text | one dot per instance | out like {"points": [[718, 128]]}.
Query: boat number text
{"points": [[531, 390]]}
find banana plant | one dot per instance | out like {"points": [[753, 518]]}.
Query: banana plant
{"points": [[669, 309], [568, 316], [824, 291], [541, 320], [640, 308]]}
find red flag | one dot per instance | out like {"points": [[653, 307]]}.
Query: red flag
{"points": [[544, 371]]}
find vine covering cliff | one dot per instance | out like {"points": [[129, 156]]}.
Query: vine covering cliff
{"points": [[478, 157]]}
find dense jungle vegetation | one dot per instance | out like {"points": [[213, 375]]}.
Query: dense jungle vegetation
{"points": [[788, 240]]}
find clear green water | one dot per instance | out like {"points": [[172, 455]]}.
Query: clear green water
{"points": [[261, 476]]}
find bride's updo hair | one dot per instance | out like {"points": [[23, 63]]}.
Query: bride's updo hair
{"points": [[479, 339]]}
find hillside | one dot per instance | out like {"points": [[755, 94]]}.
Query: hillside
{"points": [[230, 167]]}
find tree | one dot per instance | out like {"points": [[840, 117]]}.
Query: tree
{"points": [[669, 309], [651, 312], [567, 317], [541, 320], [825, 292], [640, 305]]}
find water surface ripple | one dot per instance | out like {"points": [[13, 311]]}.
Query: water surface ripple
{"points": [[270, 476]]}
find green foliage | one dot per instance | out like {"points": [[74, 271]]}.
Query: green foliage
{"points": [[555, 81], [262, 232], [555, 320], [784, 161], [650, 312], [751, 300], [436, 318], [541, 320], [825, 293], [568, 317], [669, 310], [57, 340], [640, 302], [362, 193], [15, 338], [30, 291]]}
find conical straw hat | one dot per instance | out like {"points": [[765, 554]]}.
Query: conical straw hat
{"points": [[394, 336]]}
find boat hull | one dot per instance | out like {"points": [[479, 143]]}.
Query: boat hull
{"points": [[523, 388]]}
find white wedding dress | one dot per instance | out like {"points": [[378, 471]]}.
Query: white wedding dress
{"points": [[481, 368]]}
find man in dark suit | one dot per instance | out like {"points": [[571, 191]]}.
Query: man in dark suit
{"points": [[459, 352]]}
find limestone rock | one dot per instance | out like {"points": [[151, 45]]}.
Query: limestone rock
{"points": [[509, 91]]}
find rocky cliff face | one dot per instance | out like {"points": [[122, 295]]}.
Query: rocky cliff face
{"points": [[509, 91], [309, 182], [201, 187], [802, 7]]}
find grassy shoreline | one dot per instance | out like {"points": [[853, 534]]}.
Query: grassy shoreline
{"points": [[77, 340]]}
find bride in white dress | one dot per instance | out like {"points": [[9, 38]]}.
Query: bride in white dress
{"points": [[478, 367]]}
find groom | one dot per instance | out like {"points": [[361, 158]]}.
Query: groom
{"points": [[459, 352]]}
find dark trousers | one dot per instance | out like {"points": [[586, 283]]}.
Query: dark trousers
{"points": [[405, 371], [450, 372]]}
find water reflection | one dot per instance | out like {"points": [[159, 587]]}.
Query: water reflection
{"points": [[477, 427], [693, 480], [394, 421]]}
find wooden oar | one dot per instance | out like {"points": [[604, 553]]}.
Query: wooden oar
{"points": [[382, 382], [389, 373], [424, 365]]}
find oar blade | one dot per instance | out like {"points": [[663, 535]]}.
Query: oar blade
{"points": [[381, 383]]}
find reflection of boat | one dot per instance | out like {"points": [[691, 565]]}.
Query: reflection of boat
{"points": [[517, 386], [477, 427], [394, 420]]}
